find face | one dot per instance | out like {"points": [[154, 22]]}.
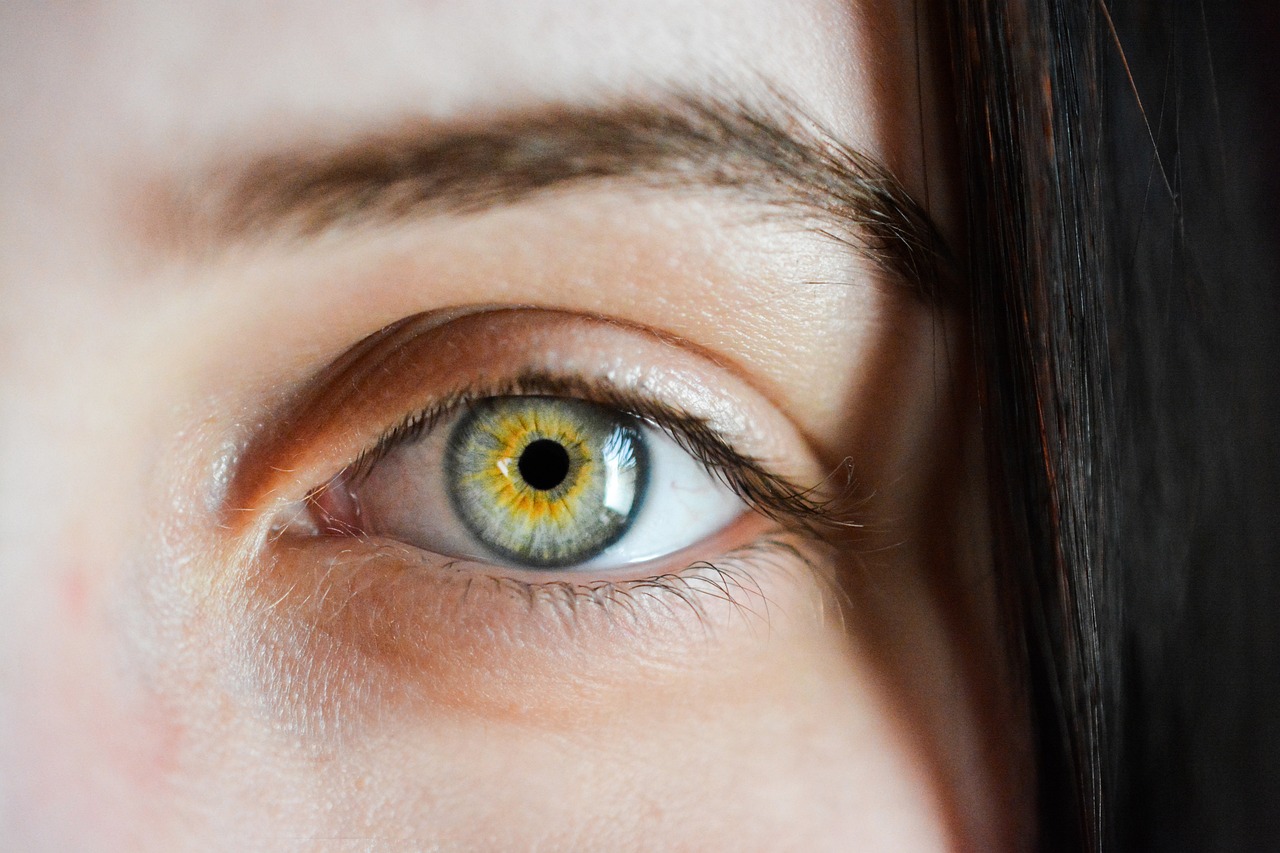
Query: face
{"points": [[489, 425]]}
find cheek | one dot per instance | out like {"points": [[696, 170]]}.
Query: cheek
{"points": [[80, 743], [789, 747], [781, 738]]}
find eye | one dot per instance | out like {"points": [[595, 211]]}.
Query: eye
{"points": [[535, 482]]}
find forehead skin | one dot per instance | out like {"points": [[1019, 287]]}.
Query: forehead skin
{"points": [[130, 719], [104, 89]]}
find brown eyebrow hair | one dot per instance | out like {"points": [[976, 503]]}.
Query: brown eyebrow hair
{"points": [[776, 156]]}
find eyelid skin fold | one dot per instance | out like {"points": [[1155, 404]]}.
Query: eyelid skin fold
{"points": [[356, 408]]}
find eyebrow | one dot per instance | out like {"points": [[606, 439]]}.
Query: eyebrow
{"points": [[773, 155]]}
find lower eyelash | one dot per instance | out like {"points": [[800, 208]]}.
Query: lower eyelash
{"points": [[406, 596], [732, 579]]}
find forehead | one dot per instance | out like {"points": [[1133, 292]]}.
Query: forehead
{"points": [[101, 97], [154, 75]]}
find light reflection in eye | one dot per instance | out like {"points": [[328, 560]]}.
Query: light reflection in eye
{"points": [[619, 491], [542, 482]]}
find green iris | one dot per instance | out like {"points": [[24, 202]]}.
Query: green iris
{"points": [[546, 482]]}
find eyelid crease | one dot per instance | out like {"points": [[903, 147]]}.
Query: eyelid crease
{"points": [[327, 430], [773, 496]]}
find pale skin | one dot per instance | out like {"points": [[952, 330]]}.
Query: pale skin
{"points": [[185, 664]]}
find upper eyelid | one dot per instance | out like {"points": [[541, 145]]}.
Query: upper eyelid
{"points": [[427, 361], [767, 492]]}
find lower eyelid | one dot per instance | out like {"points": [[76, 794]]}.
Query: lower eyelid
{"points": [[375, 624]]}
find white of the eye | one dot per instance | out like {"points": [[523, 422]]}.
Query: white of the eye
{"points": [[682, 505], [619, 488]]}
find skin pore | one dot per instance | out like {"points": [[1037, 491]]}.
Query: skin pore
{"points": [[189, 660]]}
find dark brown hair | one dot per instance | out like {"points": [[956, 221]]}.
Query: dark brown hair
{"points": [[1120, 265]]}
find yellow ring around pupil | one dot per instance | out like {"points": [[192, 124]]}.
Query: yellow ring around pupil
{"points": [[510, 490], [566, 523]]}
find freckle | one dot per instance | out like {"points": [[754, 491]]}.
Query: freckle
{"points": [[75, 596], [154, 757]]}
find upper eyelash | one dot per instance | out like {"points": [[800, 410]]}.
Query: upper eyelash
{"points": [[768, 493]]}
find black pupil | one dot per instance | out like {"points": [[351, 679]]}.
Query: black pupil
{"points": [[544, 464]]}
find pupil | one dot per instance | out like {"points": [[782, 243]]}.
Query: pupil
{"points": [[544, 464]]}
